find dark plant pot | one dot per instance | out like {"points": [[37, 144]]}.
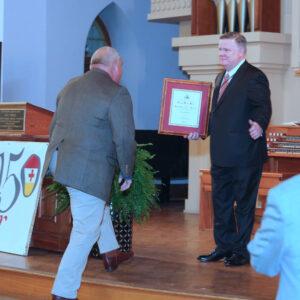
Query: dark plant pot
{"points": [[123, 232]]}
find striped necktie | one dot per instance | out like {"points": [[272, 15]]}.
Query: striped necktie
{"points": [[224, 86]]}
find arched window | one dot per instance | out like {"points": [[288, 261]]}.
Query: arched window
{"points": [[97, 37]]}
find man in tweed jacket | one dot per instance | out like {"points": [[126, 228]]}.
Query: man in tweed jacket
{"points": [[92, 133]]}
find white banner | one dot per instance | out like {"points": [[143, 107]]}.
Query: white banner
{"points": [[21, 166]]}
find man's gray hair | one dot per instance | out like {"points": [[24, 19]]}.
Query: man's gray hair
{"points": [[237, 37], [105, 56]]}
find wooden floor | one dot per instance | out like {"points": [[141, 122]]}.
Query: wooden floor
{"points": [[165, 267]]}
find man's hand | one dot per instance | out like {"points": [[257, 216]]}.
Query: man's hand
{"points": [[255, 130], [125, 184], [192, 136]]}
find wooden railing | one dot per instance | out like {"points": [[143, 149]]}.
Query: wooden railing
{"points": [[268, 180]]}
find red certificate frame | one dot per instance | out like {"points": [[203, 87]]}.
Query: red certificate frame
{"points": [[185, 91]]}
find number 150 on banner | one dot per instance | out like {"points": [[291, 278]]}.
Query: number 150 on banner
{"points": [[21, 165]]}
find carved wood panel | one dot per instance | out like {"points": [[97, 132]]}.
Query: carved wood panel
{"points": [[204, 17], [49, 232]]}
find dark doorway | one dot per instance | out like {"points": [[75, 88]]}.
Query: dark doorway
{"points": [[97, 37]]}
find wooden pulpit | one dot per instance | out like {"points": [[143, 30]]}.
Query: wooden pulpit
{"points": [[25, 122], [50, 232]]}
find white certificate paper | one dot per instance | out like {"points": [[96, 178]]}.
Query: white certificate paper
{"points": [[185, 108]]}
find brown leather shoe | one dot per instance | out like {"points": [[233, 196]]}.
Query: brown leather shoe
{"points": [[112, 259], [54, 297]]}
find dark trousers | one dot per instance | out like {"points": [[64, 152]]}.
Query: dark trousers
{"points": [[233, 224]]}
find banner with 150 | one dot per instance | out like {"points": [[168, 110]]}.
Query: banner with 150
{"points": [[21, 166]]}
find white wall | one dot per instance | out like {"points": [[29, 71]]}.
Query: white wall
{"points": [[44, 44]]}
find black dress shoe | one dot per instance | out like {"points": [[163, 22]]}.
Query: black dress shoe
{"points": [[214, 256], [236, 260]]}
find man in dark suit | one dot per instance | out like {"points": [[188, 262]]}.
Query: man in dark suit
{"points": [[240, 114], [92, 132]]}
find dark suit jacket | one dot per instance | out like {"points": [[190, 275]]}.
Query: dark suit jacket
{"points": [[246, 97], [93, 130]]}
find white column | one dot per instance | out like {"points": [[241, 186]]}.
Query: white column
{"points": [[198, 159], [295, 53]]}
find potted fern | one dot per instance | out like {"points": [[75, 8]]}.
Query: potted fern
{"points": [[134, 204]]}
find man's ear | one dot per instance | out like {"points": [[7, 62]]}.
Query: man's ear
{"points": [[114, 72], [242, 51], [114, 68]]}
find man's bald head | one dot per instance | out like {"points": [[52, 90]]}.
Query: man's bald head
{"points": [[109, 60], [105, 56]]}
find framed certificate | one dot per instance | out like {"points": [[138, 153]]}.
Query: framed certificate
{"points": [[185, 107]]}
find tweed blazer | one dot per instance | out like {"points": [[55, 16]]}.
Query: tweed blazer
{"points": [[93, 131], [247, 96], [275, 248]]}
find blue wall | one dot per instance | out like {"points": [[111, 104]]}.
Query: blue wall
{"points": [[24, 51], [44, 42], [1, 19]]}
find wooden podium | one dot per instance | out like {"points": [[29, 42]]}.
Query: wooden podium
{"points": [[24, 122], [49, 232]]}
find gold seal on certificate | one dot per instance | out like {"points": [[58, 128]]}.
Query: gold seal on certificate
{"points": [[185, 107]]}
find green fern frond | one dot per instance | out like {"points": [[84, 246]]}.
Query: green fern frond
{"points": [[136, 203]]}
